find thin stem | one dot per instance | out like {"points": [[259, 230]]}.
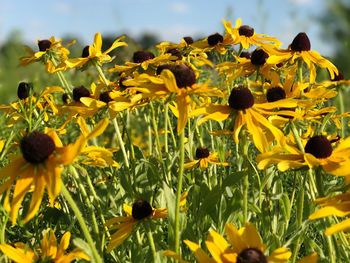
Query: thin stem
{"points": [[245, 197], [178, 192], [297, 137], [342, 110], [81, 220], [120, 141], [151, 241], [101, 74]]}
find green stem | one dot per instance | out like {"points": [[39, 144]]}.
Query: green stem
{"points": [[178, 192], [101, 74], [342, 110], [297, 137], [151, 241], [81, 220], [166, 116], [86, 199], [120, 141], [245, 197]]}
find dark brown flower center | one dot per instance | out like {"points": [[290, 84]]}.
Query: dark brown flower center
{"points": [[160, 68], [301, 43], [258, 57], [188, 40], [245, 54], [23, 90], [202, 152], [275, 94], [80, 92], [215, 39], [104, 96], [184, 75], [36, 147], [319, 146], [246, 31], [44, 44], [65, 98], [141, 56], [241, 98], [251, 255], [85, 52], [141, 209], [175, 52]]}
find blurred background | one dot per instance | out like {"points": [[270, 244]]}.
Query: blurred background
{"points": [[147, 22]]}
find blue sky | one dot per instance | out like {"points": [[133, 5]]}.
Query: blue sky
{"points": [[170, 19]]}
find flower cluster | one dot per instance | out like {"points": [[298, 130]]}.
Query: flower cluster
{"points": [[232, 129]]}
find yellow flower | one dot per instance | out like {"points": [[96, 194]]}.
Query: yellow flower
{"points": [[94, 52], [214, 42], [179, 80], [244, 67], [49, 251], [318, 152], [39, 166], [334, 206], [300, 48], [51, 52], [250, 114], [203, 158], [245, 245], [142, 60], [140, 211], [246, 36]]}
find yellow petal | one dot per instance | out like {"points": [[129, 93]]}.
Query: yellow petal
{"points": [[342, 226], [36, 198], [99, 128], [98, 42], [169, 80], [280, 255], [118, 237], [198, 252], [17, 254]]}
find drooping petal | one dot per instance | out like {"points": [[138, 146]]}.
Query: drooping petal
{"points": [[199, 253]]}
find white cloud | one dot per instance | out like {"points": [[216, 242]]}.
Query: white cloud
{"points": [[179, 7], [301, 2]]}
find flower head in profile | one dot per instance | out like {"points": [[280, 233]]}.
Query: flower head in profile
{"points": [[245, 245], [177, 81], [49, 251], [38, 166], [94, 53], [300, 49], [204, 158], [246, 36], [318, 151], [51, 52], [140, 211]]}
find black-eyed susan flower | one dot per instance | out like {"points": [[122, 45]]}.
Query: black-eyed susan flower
{"points": [[245, 245], [214, 42], [204, 158], [140, 211], [49, 251], [39, 166], [249, 114], [300, 48], [338, 205], [244, 67], [246, 36], [318, 151], [94, 52], [142, 60], [179, 80], [51, 52]]}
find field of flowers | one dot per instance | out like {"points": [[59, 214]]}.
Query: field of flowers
{"points": [[224, 149]]}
